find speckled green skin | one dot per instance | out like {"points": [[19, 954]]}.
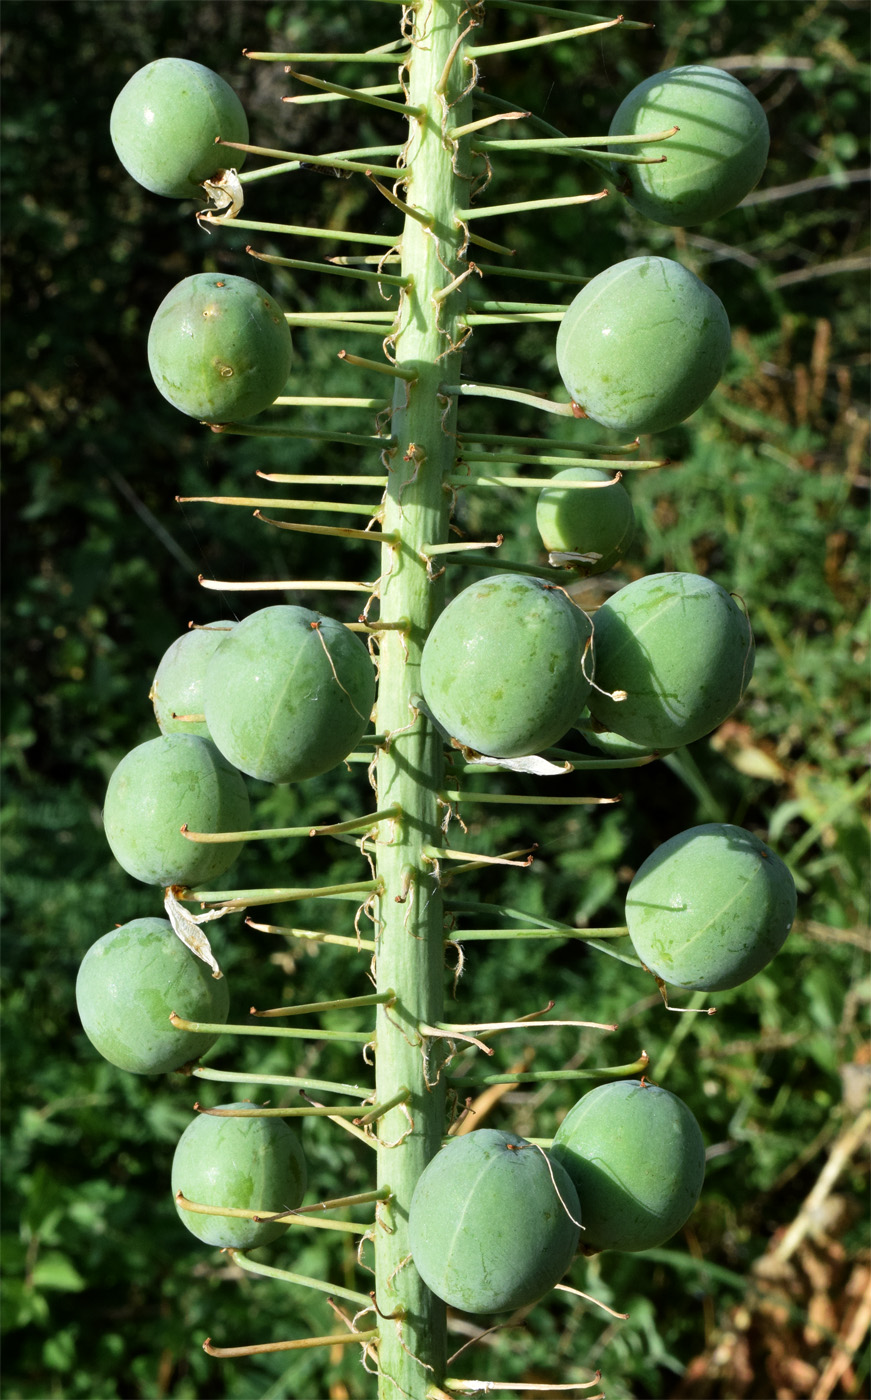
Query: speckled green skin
{"points": [[177, 687], [502, 667], [128, 983], [165, 122], [488, 1230], [643, 345], [241, 1163], [288, 694], [637, 1160], [682, 649], [219, 348], [600, 521], [158, 786], [715, 159], [710, 908]]}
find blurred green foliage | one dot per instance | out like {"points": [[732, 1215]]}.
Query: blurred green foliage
{"points": [[103, 1294]]}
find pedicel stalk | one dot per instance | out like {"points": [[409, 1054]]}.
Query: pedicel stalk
{"points": [[494, 676]]}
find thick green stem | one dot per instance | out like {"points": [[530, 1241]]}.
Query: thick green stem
{"points": [[409, 928]]}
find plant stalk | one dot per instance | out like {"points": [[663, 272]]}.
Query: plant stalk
{"points": [[409, 928]]}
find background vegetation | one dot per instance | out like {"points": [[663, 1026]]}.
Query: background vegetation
{"points": [[104, 1294]]}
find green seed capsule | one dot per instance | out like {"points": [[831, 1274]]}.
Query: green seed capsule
{"points": [[716, 157], [643, 345], [615, 746], [178, 682], [240, 1163], [490, 1224], [219, 348], [128, 983], [156, 788], [682, 650], [288, 694], [165, 123], [503, 669], [636, 1158], [598, 524], [710, 908]]}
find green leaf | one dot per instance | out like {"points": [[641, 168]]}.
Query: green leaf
{"points": [[20, 1306], [59, 1350], [55, 1270]]}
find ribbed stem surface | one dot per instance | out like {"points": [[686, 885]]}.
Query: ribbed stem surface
{"points": [[409, 932]]}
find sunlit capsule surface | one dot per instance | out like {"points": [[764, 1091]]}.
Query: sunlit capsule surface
{"points": [[165, 122], [711, 163], [643, 345]]}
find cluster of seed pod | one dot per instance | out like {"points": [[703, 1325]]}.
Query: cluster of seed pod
{"points": [[504, 672]]}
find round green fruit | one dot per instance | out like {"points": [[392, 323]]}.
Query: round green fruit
{"points": [[219, 348], [240, 1164], [614, 745], [710, 908], [157, 787], [490, 1224], [716, 157], [598, 524], [165, 123], [643, 345], [682, 650], [503, 669], [635, 1155], [177, 686], [288, 694], [130, 981]]}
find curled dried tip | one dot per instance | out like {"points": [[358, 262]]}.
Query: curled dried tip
{"points": [[397, 1313]]}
